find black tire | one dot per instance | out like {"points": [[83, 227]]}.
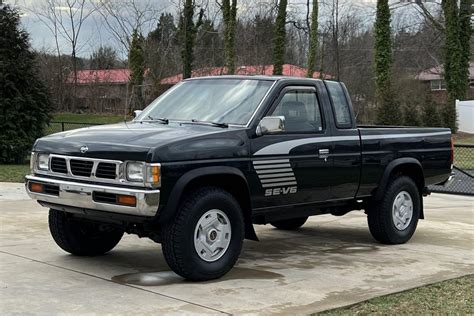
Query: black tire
{"points": [[178, 235], [380, 218], [290, 224], [82, 238]]}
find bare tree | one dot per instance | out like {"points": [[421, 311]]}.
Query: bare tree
{"points": [[65, 19]]}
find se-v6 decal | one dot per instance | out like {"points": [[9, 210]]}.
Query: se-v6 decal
{"points": [[276, 176]]}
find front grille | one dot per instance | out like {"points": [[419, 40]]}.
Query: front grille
{"points": [[103, 197], [51, 189], [58, 165], [82, 168], [106, 170]]}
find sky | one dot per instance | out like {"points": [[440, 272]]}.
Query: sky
{"points": [[100, 28]]}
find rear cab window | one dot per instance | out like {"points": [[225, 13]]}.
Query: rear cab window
{"points": [[340, 105]]}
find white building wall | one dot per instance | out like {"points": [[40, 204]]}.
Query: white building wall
{"points": [[465, 111]]}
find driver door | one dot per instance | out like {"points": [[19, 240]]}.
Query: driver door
{"points": [[291, 167]]}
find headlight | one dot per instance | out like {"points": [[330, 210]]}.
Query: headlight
{"points": [[147, 173], [43, 161], [135, 171]]}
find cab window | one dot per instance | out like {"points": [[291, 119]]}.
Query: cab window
{"points": [[340, 105], [301, 111]]}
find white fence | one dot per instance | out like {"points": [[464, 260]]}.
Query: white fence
{"points": [[465, 111]]}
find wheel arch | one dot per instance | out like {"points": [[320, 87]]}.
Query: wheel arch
{"points": [[228, 178], [407, 166]]}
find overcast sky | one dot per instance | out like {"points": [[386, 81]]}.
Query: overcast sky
{"points": [[95, 31]]}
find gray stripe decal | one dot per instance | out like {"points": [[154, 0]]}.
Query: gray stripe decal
{"points": [[283, 165], [263, 162], [278, 180], [281, 184], [259, 172], [284, 148], [276, 175]]}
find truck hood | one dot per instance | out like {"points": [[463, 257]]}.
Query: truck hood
{"points": [[146, 141]]}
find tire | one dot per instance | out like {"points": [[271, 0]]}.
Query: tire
{"points": [[380, 215], [290, 224], [82, 238], [181, 244]]}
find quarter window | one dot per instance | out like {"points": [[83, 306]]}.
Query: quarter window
{"points": [[301, 111], [340, 105]]}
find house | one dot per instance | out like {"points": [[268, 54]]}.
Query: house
{"points": [[434, 80], [102, 90], [267, 70]]}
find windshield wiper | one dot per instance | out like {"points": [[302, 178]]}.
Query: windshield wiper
{"points": [[223, 125], [163, 120]]}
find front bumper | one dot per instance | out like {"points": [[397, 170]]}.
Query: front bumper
{"points": [[81, 195]]}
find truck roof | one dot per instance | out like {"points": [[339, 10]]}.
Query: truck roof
{"points": [[254, 77]]}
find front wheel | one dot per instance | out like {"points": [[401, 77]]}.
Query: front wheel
{"points": [[204, 240], [81, 237], [393, 219]]}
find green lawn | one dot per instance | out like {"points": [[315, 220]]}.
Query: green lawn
{"points": [[13, 173], [464, 139], [452, 297], [88, 118]]}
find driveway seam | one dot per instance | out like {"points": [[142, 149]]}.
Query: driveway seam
{"points": [[118, 283]]}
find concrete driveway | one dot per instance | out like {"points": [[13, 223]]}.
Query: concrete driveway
{"points": [[330, 262]]}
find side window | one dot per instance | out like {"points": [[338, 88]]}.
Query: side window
{"points": [[340, 104], [301, 111]]}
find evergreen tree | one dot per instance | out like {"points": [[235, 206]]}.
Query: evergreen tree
{"points": [[188, 29], [24, 101], [313, 40], [452, 65], [411, 115], [229, 14], [279, 39], [136, 62], [430, 113], [165, 29], [388, 111]]}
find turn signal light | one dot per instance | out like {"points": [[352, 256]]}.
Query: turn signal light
{"points": [[128, 200], [36, 187]]}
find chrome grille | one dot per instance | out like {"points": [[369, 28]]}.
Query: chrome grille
{"points": [[82, 168], [59, 165], [103, 170], [106, 170]]}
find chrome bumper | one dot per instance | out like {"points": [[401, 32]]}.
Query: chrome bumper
{"points": [[80, 195]]}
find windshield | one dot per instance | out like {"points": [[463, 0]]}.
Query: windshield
{"points": [[230, 101]]}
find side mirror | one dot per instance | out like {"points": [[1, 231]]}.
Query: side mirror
{"points": [[271, 125], [136, 113]]}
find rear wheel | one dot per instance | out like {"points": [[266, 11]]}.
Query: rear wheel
{"points": [[393, 219], [204, 240], [82, 238], [290, 224]]}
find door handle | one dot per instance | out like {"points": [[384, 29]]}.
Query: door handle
{"points": [[324, 154]]}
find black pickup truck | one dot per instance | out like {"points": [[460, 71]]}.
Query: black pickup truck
{"points": [[213, 156]]}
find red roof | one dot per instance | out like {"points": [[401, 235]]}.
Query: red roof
{"points": [[267, 70], [437, 73], [110, 76]]}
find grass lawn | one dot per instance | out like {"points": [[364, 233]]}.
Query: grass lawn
{"points": [[88, 118], [444, 298], [464, 139], [13, 173]]}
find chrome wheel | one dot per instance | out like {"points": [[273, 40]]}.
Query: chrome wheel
{"points": [[212, 235], [402, 210]]}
